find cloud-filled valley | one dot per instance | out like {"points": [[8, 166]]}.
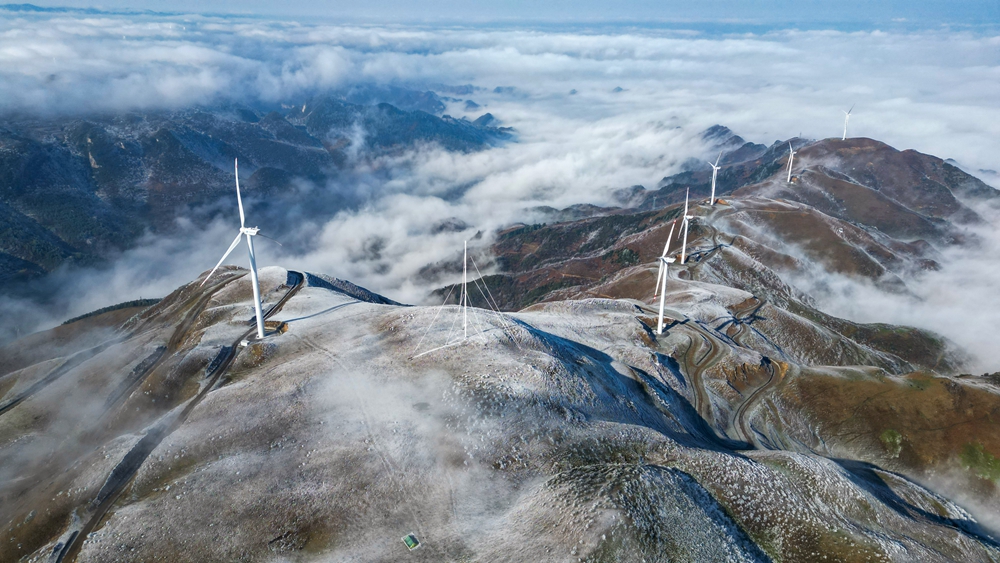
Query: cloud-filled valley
{"points": [[813, 374], [591, 112]]}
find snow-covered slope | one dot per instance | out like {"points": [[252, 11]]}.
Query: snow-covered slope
{"points": [[566, 432]]}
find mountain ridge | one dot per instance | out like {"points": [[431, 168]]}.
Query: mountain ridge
{"points": [[78, 190], [591, 436]]}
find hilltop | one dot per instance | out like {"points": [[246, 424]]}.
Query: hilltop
{"points": [[757, 427]]}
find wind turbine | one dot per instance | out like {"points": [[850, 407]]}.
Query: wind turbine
{"points": [[791, 157], [661, 273], [847, 117], [250, 232], [666, 248], [687, 218], [715, 172]]}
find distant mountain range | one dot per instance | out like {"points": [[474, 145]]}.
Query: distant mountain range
{"points": [[753, 428], [77, 189], [856, 207]]}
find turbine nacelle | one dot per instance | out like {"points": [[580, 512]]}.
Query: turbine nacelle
{"points": [[716, 165], [249, 231]]}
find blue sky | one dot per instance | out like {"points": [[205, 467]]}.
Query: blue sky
{"points": [[850, 14]]}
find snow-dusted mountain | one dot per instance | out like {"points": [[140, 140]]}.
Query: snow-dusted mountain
{"points": [[757, 427]]}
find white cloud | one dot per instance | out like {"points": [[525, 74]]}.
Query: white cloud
{"points": [[934, 91]]}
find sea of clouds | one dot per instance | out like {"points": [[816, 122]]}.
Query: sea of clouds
{"points": [[594, 110]]}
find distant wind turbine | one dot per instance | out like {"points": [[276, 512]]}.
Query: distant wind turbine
{"points": [[687, 219], [847, 117], [715, 172], [666, 248], [250, 232], [791, 157], [662, 274]]}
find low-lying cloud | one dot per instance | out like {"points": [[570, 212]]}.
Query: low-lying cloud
{"points": [[593, 112], [931, 90], [956, 301]]}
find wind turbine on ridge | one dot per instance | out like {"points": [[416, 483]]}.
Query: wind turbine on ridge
{"points": [[250, 232], [847, 117], [687, 218], [791, 157], [715, 172], [661, 273]]}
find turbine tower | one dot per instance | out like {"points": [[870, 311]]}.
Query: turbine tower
{"points": [[791, 157], [715, 172], [250, 232], [847, 117], [661, 273], [465, 290], [687, 219]]}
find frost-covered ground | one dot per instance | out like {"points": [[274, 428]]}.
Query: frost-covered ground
{"points": [[566, 432]]}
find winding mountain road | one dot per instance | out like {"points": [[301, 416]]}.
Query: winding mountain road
{"points": [[124, 391], [82, 356], [126, 469]]}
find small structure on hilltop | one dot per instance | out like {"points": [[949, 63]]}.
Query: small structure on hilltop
{"points": [[462, 311]]}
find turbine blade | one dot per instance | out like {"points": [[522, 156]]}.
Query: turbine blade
{"points": [[852, 109], [239, 200], [659, 274], [718, 159], [231, 247], [269, 238]]}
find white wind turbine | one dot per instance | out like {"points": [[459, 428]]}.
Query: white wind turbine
{"points": [[687, 218], [250, 232], [661, 273], [847, 117], [791, 157], [715, 172]]}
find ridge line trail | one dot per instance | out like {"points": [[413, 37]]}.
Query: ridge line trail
{"points": [[124, 472], [390, 464], [741, 317], [693, 367]]}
